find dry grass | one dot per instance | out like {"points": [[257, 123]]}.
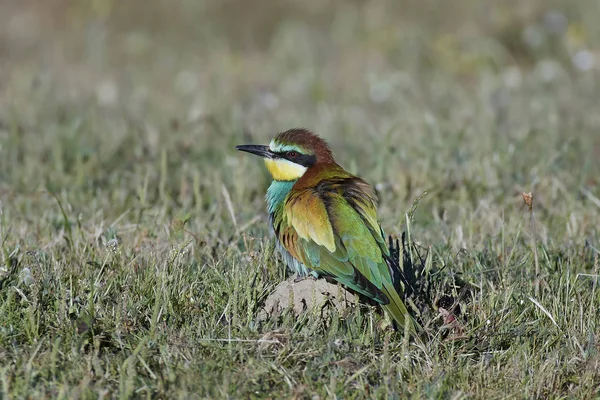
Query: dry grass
{"points": [[135, 252]]}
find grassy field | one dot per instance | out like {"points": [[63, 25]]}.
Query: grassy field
{"points": [[135, 248]]}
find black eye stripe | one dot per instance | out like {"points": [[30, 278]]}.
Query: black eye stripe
{"points": [[305, 160]]}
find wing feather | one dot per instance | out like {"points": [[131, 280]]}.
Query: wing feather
{"points": [[339, 235], [307, 215]]}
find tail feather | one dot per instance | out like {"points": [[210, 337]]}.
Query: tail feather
{"points": [[398, 311]]}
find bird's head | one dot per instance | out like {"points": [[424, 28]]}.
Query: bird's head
{"points": [[291, 153]]}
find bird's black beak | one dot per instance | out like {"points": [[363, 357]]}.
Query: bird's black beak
{"points": [[259, 150]]}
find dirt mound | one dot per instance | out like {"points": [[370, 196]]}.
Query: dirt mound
{"points": [[305, 295]]}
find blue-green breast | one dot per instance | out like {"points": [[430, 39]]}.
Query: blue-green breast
{"points": [[276, 195]]}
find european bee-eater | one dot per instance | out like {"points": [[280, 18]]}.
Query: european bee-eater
{"points": [[325, 219]]}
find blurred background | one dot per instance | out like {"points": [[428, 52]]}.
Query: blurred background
{"points": [[473, 101], [133, 236]]}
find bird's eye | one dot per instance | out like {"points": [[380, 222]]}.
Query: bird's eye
{"points": [[292, 154]]}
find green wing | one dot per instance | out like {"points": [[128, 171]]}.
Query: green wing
{"points": [[340, 235]]}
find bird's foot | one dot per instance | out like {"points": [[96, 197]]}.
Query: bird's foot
{"points": [[300, 278]]}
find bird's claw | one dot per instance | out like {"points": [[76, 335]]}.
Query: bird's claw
{"points": [[299, 278]]}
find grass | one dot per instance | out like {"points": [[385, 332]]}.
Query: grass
{"points": [[135, 250]]}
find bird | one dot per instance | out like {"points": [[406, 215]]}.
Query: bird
{"points": [[325, 221]]}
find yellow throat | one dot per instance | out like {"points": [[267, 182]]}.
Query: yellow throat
{"points": [[284, 170]]}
